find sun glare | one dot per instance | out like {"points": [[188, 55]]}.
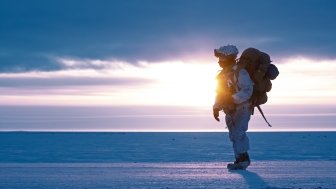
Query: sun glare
{"points": [[176, 83]]}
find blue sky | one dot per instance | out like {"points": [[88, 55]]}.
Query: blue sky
{"points": [[160, 53]]}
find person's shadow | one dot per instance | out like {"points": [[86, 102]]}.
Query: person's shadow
{"points": [[252, 179]]}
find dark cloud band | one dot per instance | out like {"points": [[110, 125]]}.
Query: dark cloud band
{"points": [[159, 30], [30, 82]]}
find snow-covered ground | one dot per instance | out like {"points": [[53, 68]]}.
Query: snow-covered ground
{"points": [[262, 174], [164, 160]]}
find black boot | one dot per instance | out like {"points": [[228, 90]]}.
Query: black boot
{"points": [[242, 162]]}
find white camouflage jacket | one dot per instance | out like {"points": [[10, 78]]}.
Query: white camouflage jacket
{"points": [[243, 88]]}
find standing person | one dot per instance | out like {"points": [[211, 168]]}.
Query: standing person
{"points": [[234, 90]]}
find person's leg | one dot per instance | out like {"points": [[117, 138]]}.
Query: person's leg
{"points": [[238, 125]]}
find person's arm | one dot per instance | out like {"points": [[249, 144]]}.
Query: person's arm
{"points": [[218, 105], [219, 92], [245, 85]]}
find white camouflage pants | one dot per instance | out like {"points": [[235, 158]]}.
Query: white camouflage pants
{"points": [[237, 124]]}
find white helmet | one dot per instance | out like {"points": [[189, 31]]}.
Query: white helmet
{"points": [[226, 51]]}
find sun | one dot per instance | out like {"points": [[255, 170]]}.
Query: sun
{"points": [[180, 83]]}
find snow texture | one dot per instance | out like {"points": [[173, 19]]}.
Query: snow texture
{"points": [[262, 174], [164, 160]]}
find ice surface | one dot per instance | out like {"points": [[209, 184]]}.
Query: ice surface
{"points": [[261, 174], [130, 118], [164, 160], [27, 147]]}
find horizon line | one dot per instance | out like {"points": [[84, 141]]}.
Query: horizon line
{"points": [[160, 131]]}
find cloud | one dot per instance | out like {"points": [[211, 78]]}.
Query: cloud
{"points": [[17, 62], [95, 64], [305, 81], [147, 83], [154, 31], [301, 81], [78, 73], [29, 82]]}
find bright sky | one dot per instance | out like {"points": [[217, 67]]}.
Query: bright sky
{"points": [[301, 81]]}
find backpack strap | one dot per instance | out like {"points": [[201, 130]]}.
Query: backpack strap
{"points": [[262, 113], [235, 72]]}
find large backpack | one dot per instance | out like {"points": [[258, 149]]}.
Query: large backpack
{"points": [[258, 65]]}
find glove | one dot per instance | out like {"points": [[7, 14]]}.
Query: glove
{"points": [[216, 113]]}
